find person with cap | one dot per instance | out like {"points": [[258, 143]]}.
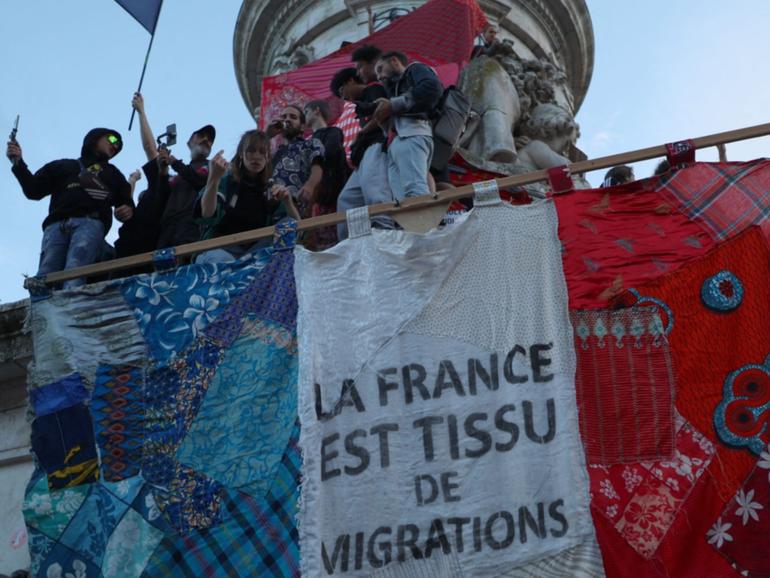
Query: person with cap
{"points": [[176, 195], [83, 192]]}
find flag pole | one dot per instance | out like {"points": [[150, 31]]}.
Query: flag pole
{"points": [[146, 59]]}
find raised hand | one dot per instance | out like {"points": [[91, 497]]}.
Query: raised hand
{"points": [[13, 152], [218, 166]]}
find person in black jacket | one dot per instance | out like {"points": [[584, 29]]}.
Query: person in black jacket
{"points": [[335, 170], [176, 196], [83, 192], [414, 92], [368, 185]]}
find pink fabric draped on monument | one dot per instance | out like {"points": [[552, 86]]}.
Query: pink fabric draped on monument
{"points": [[440, 33]]}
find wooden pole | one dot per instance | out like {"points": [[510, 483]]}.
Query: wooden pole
{"points": [[411, 204]]}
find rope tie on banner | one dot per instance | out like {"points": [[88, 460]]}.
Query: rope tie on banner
{"points": [[359, 224], [560, 180], [285, 236], [486, 193], [164, 259], [680, 153]]}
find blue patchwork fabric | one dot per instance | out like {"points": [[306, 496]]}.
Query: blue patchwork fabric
{"points": [[244, 423], [257, 536], [173, 308], [72, 529], [117, 408], [58, 395], [63, 443], [195, 421], [174, 394], [271, 296]]}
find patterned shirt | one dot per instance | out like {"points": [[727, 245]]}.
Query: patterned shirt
{"points": [[292, 163]]}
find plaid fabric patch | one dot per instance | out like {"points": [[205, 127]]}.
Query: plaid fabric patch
{"points": [[257, 537], [726, 197]]}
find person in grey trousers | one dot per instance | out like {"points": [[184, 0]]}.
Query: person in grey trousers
{"points": [[368, 184], [414, 92]]}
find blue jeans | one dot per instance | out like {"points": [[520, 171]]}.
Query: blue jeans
{"points": [[231, 253], [73, 242], [408, 163], [368, 185]]}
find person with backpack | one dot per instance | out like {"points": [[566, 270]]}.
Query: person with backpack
{"points": [[414, 92], [83, 192]]}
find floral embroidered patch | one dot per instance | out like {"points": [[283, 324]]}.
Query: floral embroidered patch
{"points": [[642, 500], [742, 532]]}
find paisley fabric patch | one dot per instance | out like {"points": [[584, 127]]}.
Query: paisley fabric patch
{"points": [[743, 416]]}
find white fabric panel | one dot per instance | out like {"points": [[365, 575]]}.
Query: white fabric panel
{"points": [[437, 403]]}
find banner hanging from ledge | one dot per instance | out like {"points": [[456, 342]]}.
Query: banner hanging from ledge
{"points": [[444, 434]]}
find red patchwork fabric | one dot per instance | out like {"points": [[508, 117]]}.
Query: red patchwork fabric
{"points": [[642, 500], [708, 343], [619, 237], [742, 532], [421, 35], [624, 384], [726, 197], [684, 551]]}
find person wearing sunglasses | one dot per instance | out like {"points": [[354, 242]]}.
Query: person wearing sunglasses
{"points": [[83, 192]]}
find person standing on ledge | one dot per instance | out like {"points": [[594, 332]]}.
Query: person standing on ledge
{"points": [[414, 92], [83, 192], [177, 225]]}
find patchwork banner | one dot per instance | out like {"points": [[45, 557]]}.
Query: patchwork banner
{"points": [[437, 403], [165, 428]]}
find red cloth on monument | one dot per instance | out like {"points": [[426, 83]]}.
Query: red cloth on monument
{"points": [[709, 344], [714, 333], [440, 33], [618, 237]]}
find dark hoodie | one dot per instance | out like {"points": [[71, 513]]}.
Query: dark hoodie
{"points": [[88, 186]]}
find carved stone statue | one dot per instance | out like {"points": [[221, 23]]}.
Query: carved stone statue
{"points": [[505, 91], [496, 109], [551, 130], [292, 59]]}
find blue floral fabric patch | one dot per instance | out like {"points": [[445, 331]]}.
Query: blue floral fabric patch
{"points": [[173, 308]]}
